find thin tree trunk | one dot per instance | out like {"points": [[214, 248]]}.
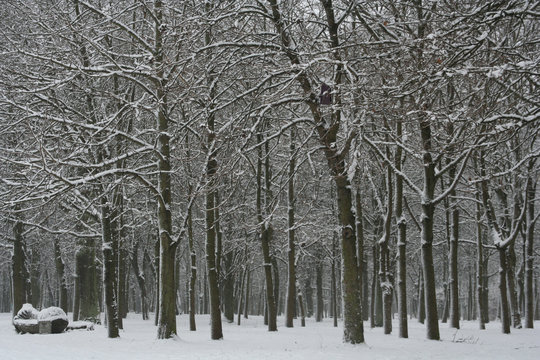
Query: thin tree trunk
{"points": [[155, 269], [511, 282], [60, 273], [291, 256], [505, 311], [529, 257], [320, 301], [334, 282], [374, 287], [275, 274], [247, 296], [302, 309], [140, 281], [453, 259], [401, 242], [241, 297], [480, 266], [34, 278], [387, 288]]}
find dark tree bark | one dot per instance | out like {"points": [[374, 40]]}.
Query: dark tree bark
{"points": [[401, 242], [362, 268], [247, 292], [140, 281], [510, 254], [109, 272], [241, 297], [421, 299], [266, 235], [167, 252], [291, 256], [228, 287], [192, 255], [61, 276], [319, 286], [428, 212], [211, 264], [453, 257], [154, 266], [374, 286], [334, 305], [86, 274], [387, 288], [308, 290], [275, 272], [20, 276], [35, 278], [482, 311], [529, 249], [302, 308]]}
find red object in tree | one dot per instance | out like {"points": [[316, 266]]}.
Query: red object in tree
{"points": [[325, 98]]}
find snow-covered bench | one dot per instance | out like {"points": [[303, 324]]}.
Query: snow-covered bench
{"points": [[52, 320]]}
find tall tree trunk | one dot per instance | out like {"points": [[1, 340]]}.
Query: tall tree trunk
{"points": [[109, 272], [479, 266], [401, 241], [387, 288], [167, 254], [211, 264], [266, 235], [529, 249], [291, 256], [428, 212], [453, 258]]}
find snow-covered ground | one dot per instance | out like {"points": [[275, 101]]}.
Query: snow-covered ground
{"points": [[252, 341]]}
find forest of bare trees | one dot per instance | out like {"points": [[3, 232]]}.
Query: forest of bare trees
{"points": [[358, 160]]}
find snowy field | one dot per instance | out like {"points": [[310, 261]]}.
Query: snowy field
{"points": [[252, 341]]}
